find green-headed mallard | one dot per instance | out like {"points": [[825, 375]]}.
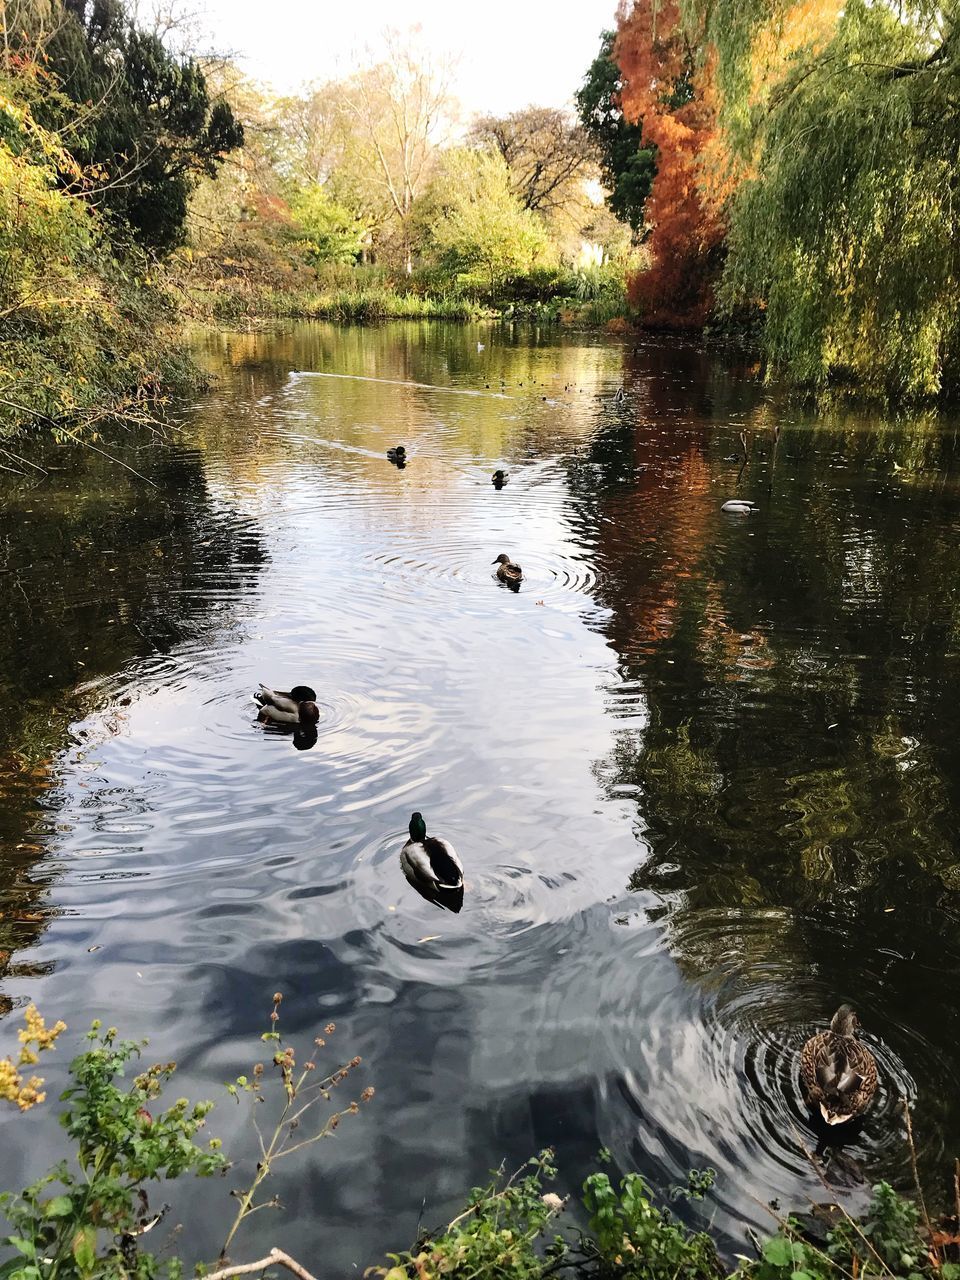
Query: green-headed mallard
{"points": [[500, 478], [508, 571], [297, 706], [838, 1073], [430, 863], [397, 455]]}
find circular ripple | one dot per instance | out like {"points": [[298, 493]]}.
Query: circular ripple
{"points": [[705, 1016], [553, 575]]}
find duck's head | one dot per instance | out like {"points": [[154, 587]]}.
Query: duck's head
{"points": [[502, 558], [499, 477], [418, 828], [308, 711], [400, 451], [844, 1023], [303, 693]]}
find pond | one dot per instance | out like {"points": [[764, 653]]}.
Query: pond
{"points": [[703, 770]]}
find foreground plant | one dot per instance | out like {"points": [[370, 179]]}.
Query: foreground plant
{"points": [[84, 1217], [296, 1125], [35, 1038]]}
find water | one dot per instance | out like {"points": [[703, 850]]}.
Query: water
{"points": [[702, 770]]}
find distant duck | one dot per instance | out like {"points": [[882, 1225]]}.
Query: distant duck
{"points": [[296, 707], [739, 507], [621, 396], [500, 478], [398, 455], [838, 1073], [430, 863], [480, 346], [508, 571]]}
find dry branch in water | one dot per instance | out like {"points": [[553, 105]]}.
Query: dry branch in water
{"points": [[276, 1257]]}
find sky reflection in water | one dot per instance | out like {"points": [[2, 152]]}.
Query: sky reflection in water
{"points": [[702, 771]]}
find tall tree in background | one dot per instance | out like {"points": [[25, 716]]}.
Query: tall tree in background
{"points": [[626, 164], [670, 91], [395, 117], [548, 156], [473, 224], [147, 129], [845, 233]]}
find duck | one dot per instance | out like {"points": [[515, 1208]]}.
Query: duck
{"points": [[838, 1073], [500, 478], [739, 507], [398, 455], [297, 706], [508, 571], [430, 863], [621, 395]]}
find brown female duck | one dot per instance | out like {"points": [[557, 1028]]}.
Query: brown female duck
{"points": [[838, 1073], [508, 571]]}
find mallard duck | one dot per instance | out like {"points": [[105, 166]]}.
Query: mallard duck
{"points": [[508, 571], [621, 395], [430, 863], [297, 706], [500, 478], [739, 506], [838, 1073], [398, 455]]}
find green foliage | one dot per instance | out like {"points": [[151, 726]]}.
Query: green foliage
{"points": [[845, 234], [630, 1235], [139, 120], [82, 1220], [82, 335], [474, 225], [499, 1234], [886, 1242], [330, 231], [627, 166]]}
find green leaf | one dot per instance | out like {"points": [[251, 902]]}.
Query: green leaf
{"points": [[84, 1249], [26, 1247], [781, 1252], [58, 1207]]}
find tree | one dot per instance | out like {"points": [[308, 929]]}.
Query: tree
{"points": [[549, 157], [672, 94], [474, 225], [845, 235], [328, 231], [147, 129], [393, 117], [626, 165]]}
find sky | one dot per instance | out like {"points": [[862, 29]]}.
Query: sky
{"points": [[512, 53]]}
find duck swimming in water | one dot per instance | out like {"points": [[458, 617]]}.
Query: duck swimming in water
{"points": [[508, 571], [430, 863], [838, 1073], [397, 455], [739, 507], [500, 478], [298, 706]]}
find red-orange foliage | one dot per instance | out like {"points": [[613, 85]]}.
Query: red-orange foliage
{"points": [[687, 228]]}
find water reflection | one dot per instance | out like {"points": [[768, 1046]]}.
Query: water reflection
{"points": [[97, 570], [702, 771]]}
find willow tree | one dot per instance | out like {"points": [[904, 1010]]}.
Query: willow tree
{"points": [[844, 232]]}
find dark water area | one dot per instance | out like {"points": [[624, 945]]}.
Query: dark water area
{"points": [[702, 770]]}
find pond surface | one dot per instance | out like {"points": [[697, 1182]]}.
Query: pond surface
{"points": [[703, 771]]}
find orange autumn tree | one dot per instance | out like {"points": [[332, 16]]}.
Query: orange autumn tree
{"points": [[670, 88]]}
